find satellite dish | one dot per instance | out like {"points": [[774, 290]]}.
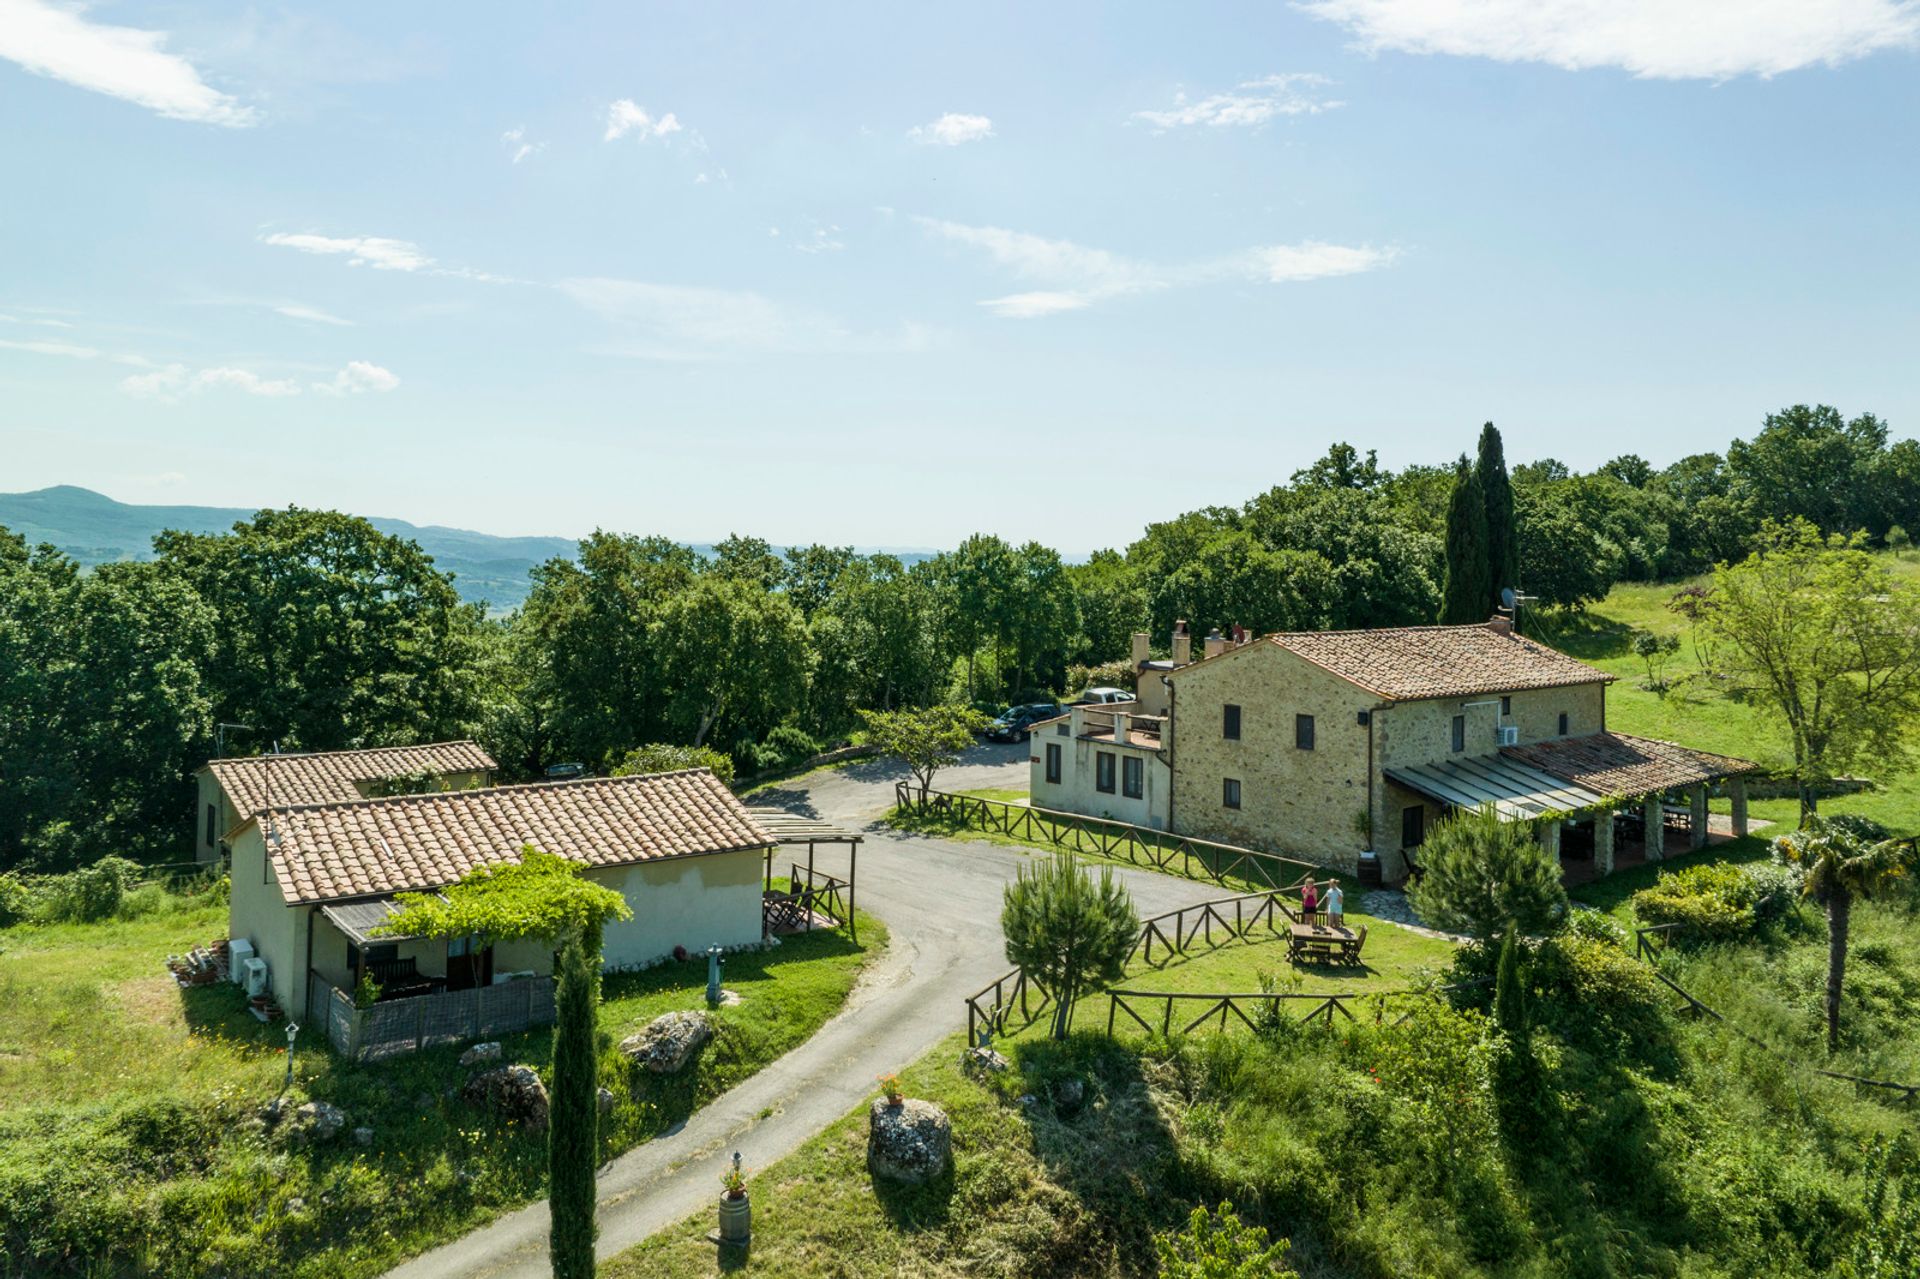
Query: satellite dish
{"points": [[1507, 597]]}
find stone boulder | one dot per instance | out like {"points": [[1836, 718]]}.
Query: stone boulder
{"points": [[480, 1052], [911, 1142], [317, 1121], [604, 1098], [514, 1091], [668, 1042]]}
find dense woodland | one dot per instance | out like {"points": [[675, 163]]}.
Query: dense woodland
{"points": [[311, 630]]}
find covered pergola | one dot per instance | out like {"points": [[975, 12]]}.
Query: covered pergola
{"points": [[833, 896], [1610, 780]]}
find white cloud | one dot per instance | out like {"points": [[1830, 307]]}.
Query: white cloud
{"points": [[515, 140], [683, 322], [1656, 39], [122, 62], [951, 129], [626, 116], [299, 311], [41, 347], [1254, 103], [1312, 260], [378, 252], [1077, 276], [357, 378], [176, 381]]}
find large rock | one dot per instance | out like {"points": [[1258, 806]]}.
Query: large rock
{"points": [[669, 1041], [514, 1091], [911, 1142], [317, 1121], [479, 1053]]}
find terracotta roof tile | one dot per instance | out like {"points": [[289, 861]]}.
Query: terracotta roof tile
{"points": [[411, 842], [1408, 663], [325, 777], [1617, 764]]}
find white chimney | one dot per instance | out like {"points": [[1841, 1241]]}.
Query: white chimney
{"points": [[1216, 643], [1141, 641], [1182, 644]]}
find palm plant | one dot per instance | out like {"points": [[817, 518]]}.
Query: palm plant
{"points": [[1840, 859]]}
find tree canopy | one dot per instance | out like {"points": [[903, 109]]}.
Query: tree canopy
{"points": [[1481, 876]]}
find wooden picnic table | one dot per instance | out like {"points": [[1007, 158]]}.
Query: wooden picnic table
{"points": [[1324, 941]]}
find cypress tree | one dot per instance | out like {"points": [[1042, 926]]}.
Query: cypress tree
{"points": [[1464, 595], [1503, 550], [573, 1135], [1510, 993]]}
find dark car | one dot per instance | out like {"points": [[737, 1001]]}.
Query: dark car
{"points": [[1016, 722]]}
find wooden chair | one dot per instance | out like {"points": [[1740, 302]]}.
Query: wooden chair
{"points": [[1351, 951]]}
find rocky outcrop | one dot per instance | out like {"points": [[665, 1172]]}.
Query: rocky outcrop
{"points": [[480, 1053], [911, 1142], [513, 1091], [669, 1041]]}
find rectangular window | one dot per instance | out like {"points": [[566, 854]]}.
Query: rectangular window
{"points": [[1506, 707], [213, 825], [1132, 777], [1103, 772], [1053, 763], [1230, 792], [1303, 732], [1563, 723], [1459, 732], [1230, 723], [1413, 826]]}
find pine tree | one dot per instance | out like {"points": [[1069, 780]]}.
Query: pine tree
{"points": [[1510, 993], [1503, 549], [1464, 596], [1071, 932], [573, 1139]]}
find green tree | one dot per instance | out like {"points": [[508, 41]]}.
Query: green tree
{"points": [[1481, 876], [1510, 991], [1468, 584], [730, 656], [1810, 463], [1234, 580], [1656, 651], [543, 897], [1822, 635], [330, 634], [1899, 542], [1067, 930], [748, 560], [1630, 469], [1571, 562], [926, 741], [1496, 490], [660, 757], [1215, 1245], [1840, 861], [1341, 468], [1111, 601], [1385, 569]]}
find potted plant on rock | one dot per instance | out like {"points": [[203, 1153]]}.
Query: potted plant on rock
{"points": [[891, 1082], [736, 1211]]}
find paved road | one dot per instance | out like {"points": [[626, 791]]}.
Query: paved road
{"points": [[941, 901]]}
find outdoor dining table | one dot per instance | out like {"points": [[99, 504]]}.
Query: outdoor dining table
{"points": [[1323, 941]]}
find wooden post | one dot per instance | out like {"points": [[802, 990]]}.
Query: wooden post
{"points": [[853, 878], [809, 897]]}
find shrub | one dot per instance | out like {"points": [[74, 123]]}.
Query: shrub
{"points": [[17, 900], [1215, 1245], [660, 757], [791, 744], [87, 895], [1598, 926], [1714, 900]]}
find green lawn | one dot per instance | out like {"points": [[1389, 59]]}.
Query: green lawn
{"points": [[124, 1100]]}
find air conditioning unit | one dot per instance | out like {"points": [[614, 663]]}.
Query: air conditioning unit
{"points": [[1509, 735], [239, 955], [256, 971]]}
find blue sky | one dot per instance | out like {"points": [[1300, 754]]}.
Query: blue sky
{"points": [[890, 274]]}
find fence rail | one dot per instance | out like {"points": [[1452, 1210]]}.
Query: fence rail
{"points": [[1236, 916], [811, 892], [1182, 855], [395, 1026], [1015, 994], [1266, 1004]]}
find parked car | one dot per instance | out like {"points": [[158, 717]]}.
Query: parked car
{"points": [[1016, 722], [1102, 697]]}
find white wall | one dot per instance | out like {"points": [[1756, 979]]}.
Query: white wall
{"points": [[259, 913], [696, 902], [1078, 792]]}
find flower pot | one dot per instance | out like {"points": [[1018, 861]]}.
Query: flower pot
{"points": [[736, 1219]]}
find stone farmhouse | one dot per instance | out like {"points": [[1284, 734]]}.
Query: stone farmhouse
{"points": [[1336, 744], [231, 790]]}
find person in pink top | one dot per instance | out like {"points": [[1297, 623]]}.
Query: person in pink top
{"points": [[1309, 902]]}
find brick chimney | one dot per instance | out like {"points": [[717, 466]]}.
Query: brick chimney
{"points": [[1216, 643], [1182, 643], [1141, 640], [1500, 624]]}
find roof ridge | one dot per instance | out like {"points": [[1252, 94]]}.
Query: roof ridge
{"points": [[445, 795], [348, 750]]}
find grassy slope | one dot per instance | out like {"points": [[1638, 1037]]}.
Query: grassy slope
{"points": [[111, 1076]]}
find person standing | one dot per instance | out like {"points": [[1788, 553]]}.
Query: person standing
{"points": [[1336, 905], [1309, 902]]}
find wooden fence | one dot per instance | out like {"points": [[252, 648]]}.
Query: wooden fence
{"points": [[396, 1026], [1158, 850], [810, 892], [1266, 1005], [1014, 996]]}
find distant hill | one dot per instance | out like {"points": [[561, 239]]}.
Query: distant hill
{"points": [[94, 529]]}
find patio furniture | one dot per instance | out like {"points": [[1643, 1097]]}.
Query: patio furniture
{"points": [[1323, 943]]}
